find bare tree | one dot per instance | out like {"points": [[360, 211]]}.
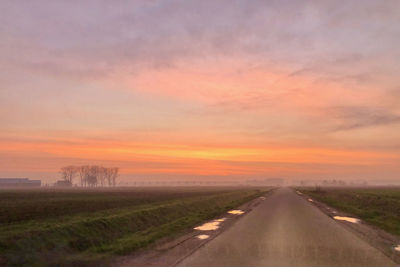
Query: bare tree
{"points": [[91, 175], [101, 174], [83, 173], [92, 181], [114, 176], [68, 173], [108, 175]]}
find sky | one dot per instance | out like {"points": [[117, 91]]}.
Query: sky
{"points": [[201, 90]]}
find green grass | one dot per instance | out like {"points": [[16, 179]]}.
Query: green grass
{"points": [[43, 228], [376, 205]]}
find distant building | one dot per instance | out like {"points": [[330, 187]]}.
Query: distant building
{"points": [[63, 183], [19, 182]]}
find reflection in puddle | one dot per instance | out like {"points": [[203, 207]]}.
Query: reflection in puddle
{"points": [[298, 192], [397, 248], [236, 212], [310, 200], [210, 226], [348, 219], [202, 237], [262, 198]]}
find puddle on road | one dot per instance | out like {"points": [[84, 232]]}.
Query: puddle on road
{"points": [[331, 210], [310, 200], [262, 198], [202, 237], [215, 224], [298, 192], [236, 212], [397, 248], [347, 219], [209, 226]]}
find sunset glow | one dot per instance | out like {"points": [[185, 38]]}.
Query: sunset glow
{"points": [[193, 90]]}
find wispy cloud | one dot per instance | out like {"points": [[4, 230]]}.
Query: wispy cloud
{"points": [[352, 117]]}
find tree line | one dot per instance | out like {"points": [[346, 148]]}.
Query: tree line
{"points": [[90, 176]]}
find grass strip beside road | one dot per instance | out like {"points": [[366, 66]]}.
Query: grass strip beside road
{"points": [[377, 206], [87, 237], [24, 205]]}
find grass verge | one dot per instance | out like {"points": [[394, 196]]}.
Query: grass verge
{"points": [[85, 237], [377, 206]]}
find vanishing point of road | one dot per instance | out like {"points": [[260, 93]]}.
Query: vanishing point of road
{"points": [[287, 230]]}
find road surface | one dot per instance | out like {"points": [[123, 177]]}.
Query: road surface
{"points": [[287, 230]]}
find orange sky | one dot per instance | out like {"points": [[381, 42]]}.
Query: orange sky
{"points": [[212, 91]]}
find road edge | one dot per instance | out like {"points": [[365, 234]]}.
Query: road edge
{"points": [[373, 235]]}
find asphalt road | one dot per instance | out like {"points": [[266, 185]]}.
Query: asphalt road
{"points": [[287, 230]]}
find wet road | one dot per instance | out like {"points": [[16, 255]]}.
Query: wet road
{"points": [[287, 230]]}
